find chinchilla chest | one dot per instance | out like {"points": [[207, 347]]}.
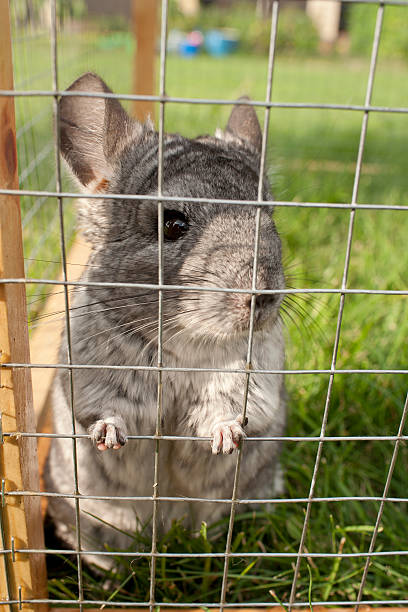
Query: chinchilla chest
{"points": [[191, 398]]}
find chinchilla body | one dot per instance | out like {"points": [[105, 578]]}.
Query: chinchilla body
{"points": [[205, 245]]}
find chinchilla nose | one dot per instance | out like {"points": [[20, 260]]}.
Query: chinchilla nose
{"points": [[263, 301]]}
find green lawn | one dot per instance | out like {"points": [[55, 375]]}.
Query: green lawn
{"points": [[312, 156]]}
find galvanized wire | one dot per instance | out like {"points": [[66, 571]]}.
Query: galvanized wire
{"points": [[5, 552], [31, 123], [81, 283], [130, 197], [27, 434], [217, 500], [38, 159], [34, 151], [39, 202], [271, 61], [370, 83], [81, 366], [71, 395], [140, 604], [205, 101], [160, 225], [382, 504], [215, 555]]}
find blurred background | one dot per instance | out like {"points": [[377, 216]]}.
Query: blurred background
{"points": [[219, 49]]}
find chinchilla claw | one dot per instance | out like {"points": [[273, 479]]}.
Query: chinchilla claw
{"points": [[227, 436], [108, 433]]}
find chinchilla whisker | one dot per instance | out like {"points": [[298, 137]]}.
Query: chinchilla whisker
{"points": [[297, 302], [71, 290], [108, 329], [291, 318], [68, 263], [289, 259], [302, 325], [132, 331], [129, 298], [195, 278], [77, 290], [308, 298], [300, 278], [44, 323], [312, 329], [84, 314], [298, 309], [201, 320], [44, 296], [55, 261], [153, 340], [289, 266], [305, 297], [311, 302], [177, 333], [122, 333], [170, 323], [180, 332], [60, 315], [151, 323], [198, 271], [82, 265]]}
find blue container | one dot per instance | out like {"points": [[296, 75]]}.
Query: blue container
{"points": [[221, 42], [188, 49]]}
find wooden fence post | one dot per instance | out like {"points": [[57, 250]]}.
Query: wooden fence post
{"points": [[21, 574], [144, 24]]}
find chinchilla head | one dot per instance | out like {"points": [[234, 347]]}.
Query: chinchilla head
{"points": [[209, 245]]}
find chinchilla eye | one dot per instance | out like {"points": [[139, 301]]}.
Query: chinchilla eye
{"points": [[175, 224]]}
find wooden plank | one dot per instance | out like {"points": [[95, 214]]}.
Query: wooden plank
{"points": [[21, 517], [144, 24]]}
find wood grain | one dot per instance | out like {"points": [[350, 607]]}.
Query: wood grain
{"points": [[21, 517], [144, 24]]}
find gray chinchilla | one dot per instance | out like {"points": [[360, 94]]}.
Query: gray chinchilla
{"points": [[208, 245]]}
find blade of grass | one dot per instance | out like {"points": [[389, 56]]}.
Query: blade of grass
{"points": [[333, 574]]}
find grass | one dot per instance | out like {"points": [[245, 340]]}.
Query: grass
{"points": [[312, 157]]}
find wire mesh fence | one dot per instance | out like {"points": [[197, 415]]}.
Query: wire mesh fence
{"points": [[32, 69], [47, 222]]}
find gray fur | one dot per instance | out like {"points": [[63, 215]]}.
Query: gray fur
{"points": [[119, 326]]}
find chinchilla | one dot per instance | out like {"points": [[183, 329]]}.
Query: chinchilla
{"points": [[205, 245]]}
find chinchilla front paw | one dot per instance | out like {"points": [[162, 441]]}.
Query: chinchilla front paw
{"points": [[227, 435], [108, 433]]}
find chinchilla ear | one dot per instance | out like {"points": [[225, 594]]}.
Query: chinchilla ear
{"points": [[93, 132], [243, 124]]}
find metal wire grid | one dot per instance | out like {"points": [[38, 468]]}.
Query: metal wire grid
{"points": [[161, 287], [66, 295], [32, 161], [325, 417], [35, 144]]}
